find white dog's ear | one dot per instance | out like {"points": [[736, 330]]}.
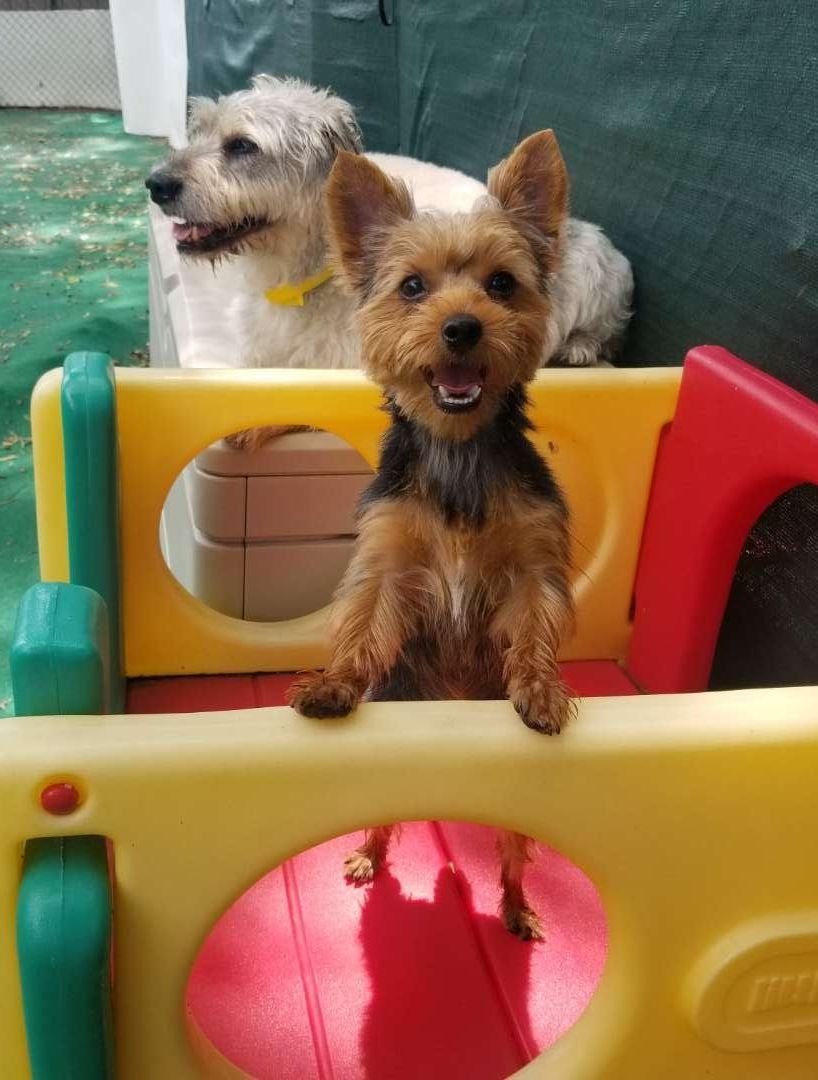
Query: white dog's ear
{"points": [[341, 131], [200, 111], [532, 183], [362, 204]]}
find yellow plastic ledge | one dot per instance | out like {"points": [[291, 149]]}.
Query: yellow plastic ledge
{"points": [[694, 815], [598, 428]]}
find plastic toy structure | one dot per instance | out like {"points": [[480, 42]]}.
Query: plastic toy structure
{"points": [[139, 805]]}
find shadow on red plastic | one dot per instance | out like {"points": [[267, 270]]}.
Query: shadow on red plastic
{"points": [[307, 976]]}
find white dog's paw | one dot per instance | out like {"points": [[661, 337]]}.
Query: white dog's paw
{"points": [[580, 350]]}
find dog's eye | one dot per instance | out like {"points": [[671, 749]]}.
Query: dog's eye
{"points": [[240, 147], [501, 284], [412, 288]]}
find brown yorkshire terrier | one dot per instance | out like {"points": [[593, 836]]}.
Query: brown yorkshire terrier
{"points": [[459, 583]]}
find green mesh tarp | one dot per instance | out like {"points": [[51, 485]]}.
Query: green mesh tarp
{"points": [[339, 44], [691, 134]]}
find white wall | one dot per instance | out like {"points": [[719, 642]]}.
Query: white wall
{"points": [[151, 56]]}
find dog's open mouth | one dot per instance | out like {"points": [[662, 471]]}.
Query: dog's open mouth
{"points": [[456, 388], [196, 237]]}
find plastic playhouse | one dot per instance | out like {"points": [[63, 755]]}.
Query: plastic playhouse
{"points": [[151, 776]]}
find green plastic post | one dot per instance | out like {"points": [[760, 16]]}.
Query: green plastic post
{"points": [[60, 664], [91, 489], [60, 652], [64, 949]]}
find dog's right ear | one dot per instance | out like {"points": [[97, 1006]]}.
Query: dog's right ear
{"points": [[362, 204], [532, 183]]}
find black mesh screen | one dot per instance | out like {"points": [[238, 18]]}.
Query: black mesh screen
{"points": [[769, 635]]}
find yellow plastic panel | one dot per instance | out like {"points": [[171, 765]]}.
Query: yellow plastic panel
{"points": [[694, 815], [49, 477], [598, 428]]}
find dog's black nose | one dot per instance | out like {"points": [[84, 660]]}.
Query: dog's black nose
{"points": [[461, 332], [163, 188]]}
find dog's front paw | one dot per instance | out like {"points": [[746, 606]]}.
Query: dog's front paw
{"points": [[524, 923], [543, 706], [360, 867], [319, 697]]}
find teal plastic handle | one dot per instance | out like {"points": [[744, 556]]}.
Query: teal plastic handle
{"points": [[92, 492]]}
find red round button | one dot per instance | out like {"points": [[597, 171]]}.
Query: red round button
{"points": [[60, 798]]}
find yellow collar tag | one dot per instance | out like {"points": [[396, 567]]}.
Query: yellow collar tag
{"points": [[293, 295]]}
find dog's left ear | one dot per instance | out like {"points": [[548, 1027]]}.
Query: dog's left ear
{"points": [[362, 203], [532, 183]]}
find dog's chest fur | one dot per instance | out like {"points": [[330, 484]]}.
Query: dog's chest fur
{"points": [[469, 500], [461, 479], [321, 334]]}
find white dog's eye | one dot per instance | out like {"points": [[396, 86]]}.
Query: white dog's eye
{"points": [[412, 288], [240, 147]]}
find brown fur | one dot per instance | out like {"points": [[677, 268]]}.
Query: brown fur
{"points": [[436, 605], [515, 598], [252, 439]]}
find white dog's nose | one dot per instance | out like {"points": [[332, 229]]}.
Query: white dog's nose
{"points": [[163, 188]]}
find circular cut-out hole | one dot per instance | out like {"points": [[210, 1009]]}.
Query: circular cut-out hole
{"points": [[265, 533], [412, 975]]}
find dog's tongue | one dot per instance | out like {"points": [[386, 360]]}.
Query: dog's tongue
{"points": [[190, 233], [456, 378]]}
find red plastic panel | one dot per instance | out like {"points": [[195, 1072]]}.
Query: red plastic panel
{"points": [[411, 976], [739, 439], [197, 693], [206, 693], [544, 993], [597, 678]]}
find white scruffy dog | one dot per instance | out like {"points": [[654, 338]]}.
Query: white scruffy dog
{"points": [[251, 182]]}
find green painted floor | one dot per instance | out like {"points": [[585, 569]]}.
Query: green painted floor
{"points": [[73, 275]]}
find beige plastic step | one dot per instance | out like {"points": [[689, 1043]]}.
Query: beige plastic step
{"points": [[284, 580], [309, 507], [218, 504]]}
